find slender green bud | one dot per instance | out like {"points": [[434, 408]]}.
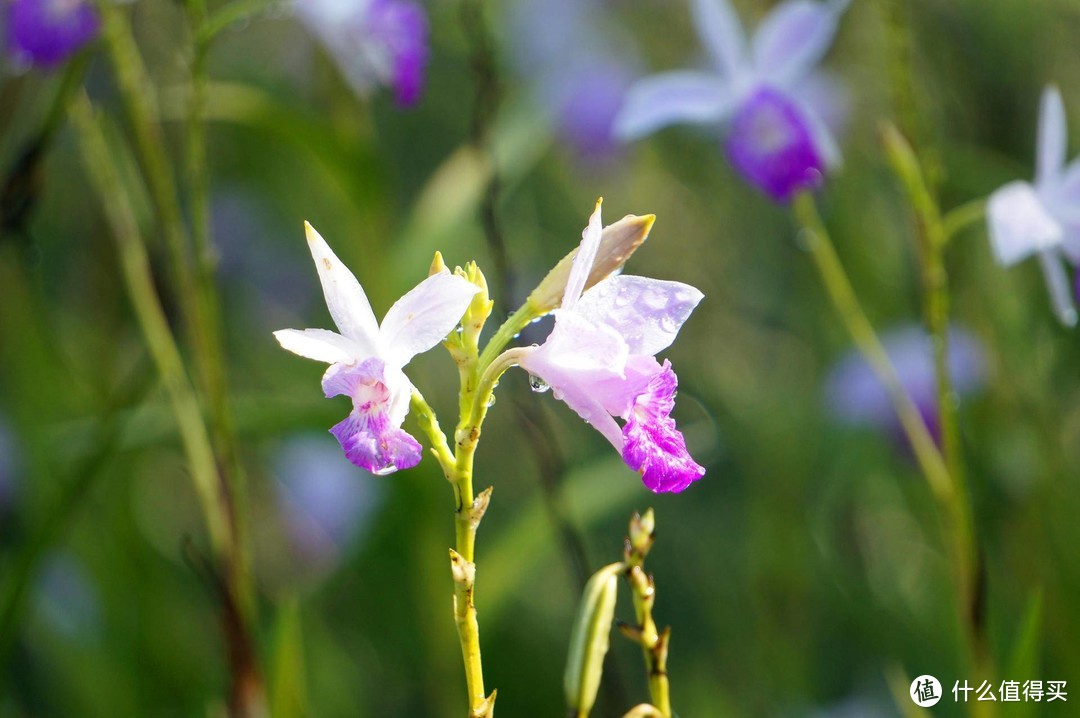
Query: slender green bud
{"points": [[619, 241], [590, 639], [642, 533], [644, 711], [480, 308]]}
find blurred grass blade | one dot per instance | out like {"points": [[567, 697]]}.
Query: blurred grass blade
{"points": [[288, 690], [1023, 659]]}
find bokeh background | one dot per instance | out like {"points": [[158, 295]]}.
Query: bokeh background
{"points": [[800, 574]]}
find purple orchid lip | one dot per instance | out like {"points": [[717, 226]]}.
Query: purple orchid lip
{"points": [[45, 33], [770, 142], [653, 446]]}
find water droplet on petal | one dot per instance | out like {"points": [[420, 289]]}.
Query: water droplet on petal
{"points": [[490, 401], [537, 384]]}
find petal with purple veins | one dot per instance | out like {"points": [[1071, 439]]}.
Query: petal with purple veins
{"points": [[371, 435]]}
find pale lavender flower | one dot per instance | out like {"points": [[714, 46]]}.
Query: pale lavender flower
{"points": [[580, 73], [366, 359], [45, 33], [374, 42], [776, 108], [600, 360], [324, 506], [1043, 218], [856, 396]]}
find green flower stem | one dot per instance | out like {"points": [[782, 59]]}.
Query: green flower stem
{"points": [[457, 465], [514, 324], [934, 235], [654, 643], [960, 218], [846, 303]]}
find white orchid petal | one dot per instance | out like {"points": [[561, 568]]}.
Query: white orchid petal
{"points": [[646, 312], [1019, 223], [1059, 286], [423, 317], [583, 261], [671, 98], [793, 37], [722, 35], [319, 344], [345, 297], [1052, 143]]}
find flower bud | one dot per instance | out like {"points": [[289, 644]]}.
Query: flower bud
{"points": [[590, 639], [642, 532], [437, 265], [618, 242]]}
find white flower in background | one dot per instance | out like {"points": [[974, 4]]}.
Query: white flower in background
{"points": [[1043, 218]]}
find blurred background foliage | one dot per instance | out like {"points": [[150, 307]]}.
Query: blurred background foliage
{"points": [[801, 573]]}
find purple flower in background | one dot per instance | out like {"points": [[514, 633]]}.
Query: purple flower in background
{"points": [[778, 110], [855, 396], [374, 42], [600, 360], [45, 33], [580, 72], [323, 504], [1043, 219], [367, 358]]}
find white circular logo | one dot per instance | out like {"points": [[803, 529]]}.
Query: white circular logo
{"points": [[925, 691]]}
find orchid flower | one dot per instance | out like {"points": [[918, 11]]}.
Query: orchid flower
{"points": [[1043, 218], [45, 33], [374, 42], [600, 360], [775, 107], [366, 358]]}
